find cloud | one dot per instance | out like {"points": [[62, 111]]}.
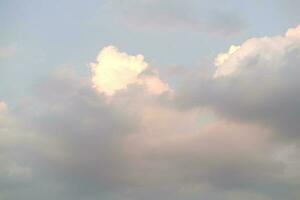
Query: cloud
{"points": [[289, 155], [136, 146], [198, 16], [207, 156], [270, 51], [117, 70], [14, 169], [256, 82], [76, 151], [69, 142], [221, 59], [86, 148]]}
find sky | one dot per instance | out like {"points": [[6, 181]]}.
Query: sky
{"points": [[149, 99]]}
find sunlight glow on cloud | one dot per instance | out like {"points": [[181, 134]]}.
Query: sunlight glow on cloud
{"points": [[115, 70], [293, 32], [271, 48], [221, 59]]}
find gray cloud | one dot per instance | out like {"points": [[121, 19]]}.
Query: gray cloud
{"points": [[172, 14], [78, 145], [258, 83]]}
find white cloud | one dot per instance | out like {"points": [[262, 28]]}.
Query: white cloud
{"points": [[223, 69], [115, 70], [270, 50], [293, 33]]}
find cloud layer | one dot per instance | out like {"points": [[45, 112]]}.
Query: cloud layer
{"points": [[123, 133]]}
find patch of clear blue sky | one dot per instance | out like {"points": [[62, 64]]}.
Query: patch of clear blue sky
{"points": [[50, 34]]}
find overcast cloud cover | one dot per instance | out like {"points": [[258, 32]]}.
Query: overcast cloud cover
{"points": [[94, 106]]}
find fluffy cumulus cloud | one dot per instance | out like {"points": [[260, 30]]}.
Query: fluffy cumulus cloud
{"points": [[255, 82], [117, 70], [120, 134], [267, 52]]}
